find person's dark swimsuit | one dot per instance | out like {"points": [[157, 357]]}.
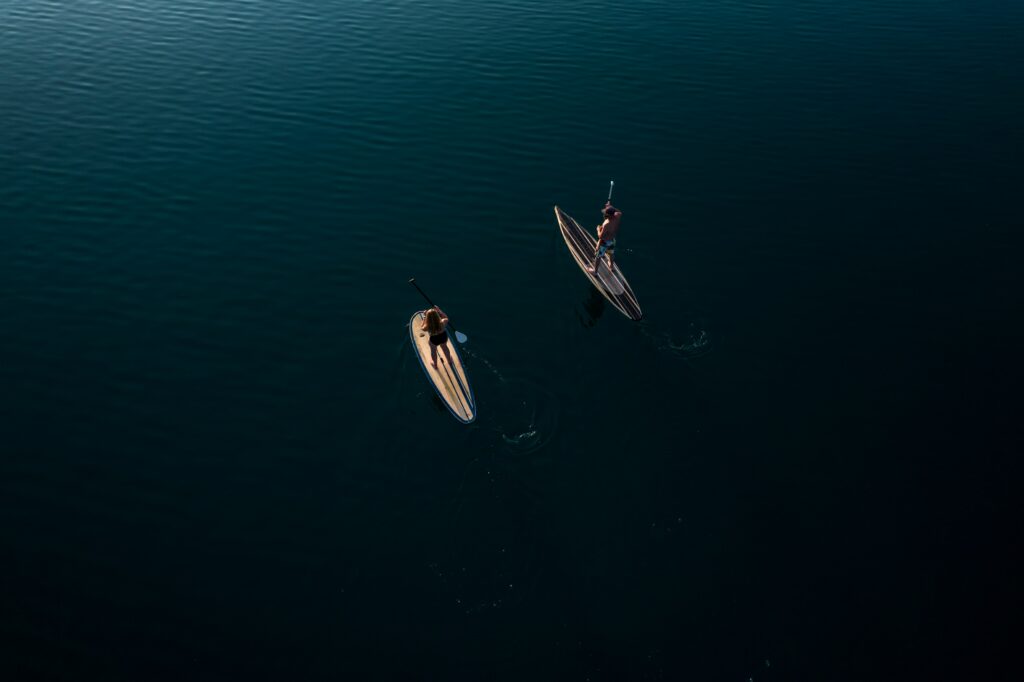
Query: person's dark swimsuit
{"points": [[438, 339]]}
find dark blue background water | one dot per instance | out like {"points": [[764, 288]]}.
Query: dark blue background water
{"points": [[220, 459]]}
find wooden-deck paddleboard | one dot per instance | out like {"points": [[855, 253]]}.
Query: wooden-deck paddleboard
{"points": [[611, 283], [450, 382]]}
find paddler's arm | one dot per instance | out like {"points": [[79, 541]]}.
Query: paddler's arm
{"points": [[444, 317]]}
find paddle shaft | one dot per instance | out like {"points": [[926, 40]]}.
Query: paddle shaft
{"points": [[412, 281], [611, 186]]}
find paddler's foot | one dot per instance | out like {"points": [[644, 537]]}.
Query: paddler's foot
{"points": [[433, 364]]}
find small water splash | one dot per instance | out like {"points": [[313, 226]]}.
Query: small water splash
{"points": [[520, 438], [693, 343], [523, 416]]}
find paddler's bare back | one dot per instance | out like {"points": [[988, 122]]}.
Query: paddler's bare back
{"points": [[610, 227]]}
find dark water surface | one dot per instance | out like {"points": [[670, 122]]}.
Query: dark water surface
{"points": [[220, 459]]}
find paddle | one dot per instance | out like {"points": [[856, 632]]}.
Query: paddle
{"points": [[459, 336], [611, 186]]}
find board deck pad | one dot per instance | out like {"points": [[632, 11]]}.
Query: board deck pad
{"points": [[450, 382], [610, 282], [608, 279]]}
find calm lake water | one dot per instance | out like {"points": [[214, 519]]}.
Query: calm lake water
{"points": [[221, 460]]}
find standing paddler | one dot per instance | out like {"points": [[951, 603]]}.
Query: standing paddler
{"points": [[606, 233]]}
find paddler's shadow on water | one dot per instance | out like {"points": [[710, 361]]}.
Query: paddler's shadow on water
{"points": [[593, 308]]}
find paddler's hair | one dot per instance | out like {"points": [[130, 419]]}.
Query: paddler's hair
{"points": [[434, 325]]}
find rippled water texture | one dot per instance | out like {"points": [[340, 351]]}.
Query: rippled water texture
{"points": [[219, 458]]}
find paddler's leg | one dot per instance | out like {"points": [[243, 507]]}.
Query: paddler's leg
{"points": [[433, 356], [597, 257], [447, 353]]}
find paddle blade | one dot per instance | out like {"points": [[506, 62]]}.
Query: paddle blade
{"points": [[460, 337]]}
